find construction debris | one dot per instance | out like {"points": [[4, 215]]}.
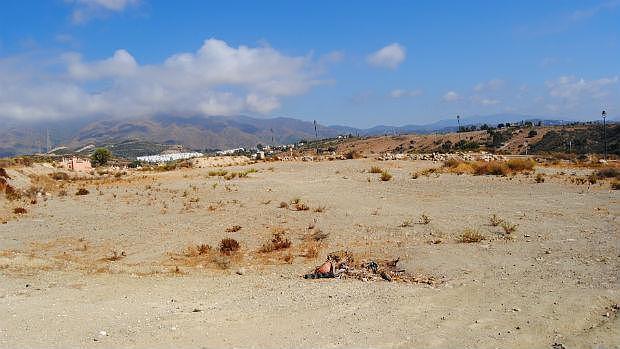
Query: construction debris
{"points": [[342, 265]]}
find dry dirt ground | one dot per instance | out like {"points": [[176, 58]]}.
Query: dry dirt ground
{"points": [[108, 269]]}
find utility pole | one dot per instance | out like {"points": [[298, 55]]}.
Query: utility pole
{"points": [[604, 115], [458, 120]]}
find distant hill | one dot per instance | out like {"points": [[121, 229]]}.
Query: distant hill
{"points": [[199, 133]]}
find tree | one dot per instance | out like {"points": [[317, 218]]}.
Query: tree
{"points": [[100, 157]]}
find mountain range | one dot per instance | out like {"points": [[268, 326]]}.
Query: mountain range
{"points": [[199, 133]]}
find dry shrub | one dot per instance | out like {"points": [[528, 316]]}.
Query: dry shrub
{"points": [[424, 219], [452, 163], [20, 210], [229, 246], [278, 242], [470, 235], [59, 176], [234, 228], [62, 192], [508, 227], [287, 258], [230, 175], [220, 173], [540, 178], [319, 209], [300, 206], [116, 256], [12, 193], [520, 165], [283, 205], [311, 249], [82, 191], [429, 171], [3, 173], [222, 262], [407, 223], [415, 175], [494, 220], [317, 235], [495, 168], [608, 172], [375, 169], [615, 185], [352, 154], [385, 176], [462, 168]]}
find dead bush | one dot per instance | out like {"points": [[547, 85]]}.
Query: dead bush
{"points": [[494, 168], [229, 246], [11, 193], [608, 172], [311, 249], [3, 173], [278, 242], [317, 235], [234, 228], [520, 165], [424, 219], [407, 223], [20, 210], [300, 206], [470, 235], [508, 227], [615, 185], [203, 249], [62, 192], [540, 178], [116, 256], [283, 205], [59, 176], [452, 163], [385, 176], [375, 169], [82, 191], [319, 209], [494, 220], [352, 154]]}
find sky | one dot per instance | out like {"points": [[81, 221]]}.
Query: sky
{"points": [[356, 63]]}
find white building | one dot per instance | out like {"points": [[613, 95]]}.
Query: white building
{"points": [[168, 157]]}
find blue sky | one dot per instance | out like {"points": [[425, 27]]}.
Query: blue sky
{"points": [[358, 63]]}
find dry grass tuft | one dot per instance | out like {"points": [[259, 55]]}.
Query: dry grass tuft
{"points": [[229, 246], [540, 178], [494, 168], [278, 242], [385, 176], [494, 220], [12, 193], [424, 219], [300, 206], [20, 210], [615, 185], [319, 209], [115, 256], [520, 165], [317, 235], [375, 169], [407, 223], [82, 191], [283, 205], [470, 235], [59, 176], [508, 227], [233, 229]]}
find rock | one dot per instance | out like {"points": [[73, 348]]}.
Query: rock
{"points": [[240, 271], [103, 333]]}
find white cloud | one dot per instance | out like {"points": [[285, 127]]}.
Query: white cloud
{"points": [[390, 56], [86, 9], [398, 93], [488, 101], [451, 96], [572, 89], [215, 80], [491, 85]]}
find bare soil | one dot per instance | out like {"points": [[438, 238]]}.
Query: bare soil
{"points": [[122, 267]]}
